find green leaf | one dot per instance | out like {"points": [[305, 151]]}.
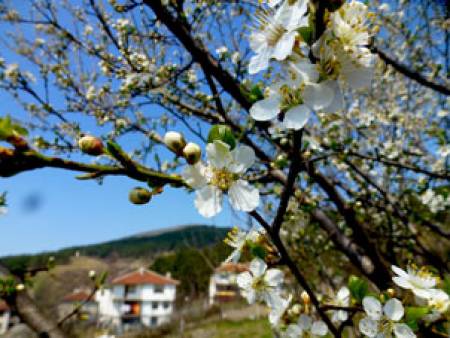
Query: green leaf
{"points": [[257, 251], [446, 284], [414, 314], [358, 288], [256, 94], [222, 133], [306, 33], [8, 128]]}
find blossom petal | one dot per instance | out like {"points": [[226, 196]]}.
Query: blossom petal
{"points": [[421, 293], [304, 322], [306, 71], [368, 326], [284, 46], [393, 309], [219, 155], [257, 267], [293, 331], [278, 307], [260, 61], [243, 158], [234, 256], [403, 331], [296, 117], [319, 328], [208, 201], [194, 175], [338, 98], [372, 307], [243, 196], [274, 277], [356, 75], [402, 282], [267, 109], [318, 95], [343, 295], [244, 280], [399, 271]]}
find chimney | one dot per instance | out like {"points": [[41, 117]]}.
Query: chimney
{"points": [[168, 274], [141, 270]]}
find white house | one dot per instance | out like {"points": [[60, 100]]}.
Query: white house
{"points": [[5, 316], [222, 284], [139, 297]]}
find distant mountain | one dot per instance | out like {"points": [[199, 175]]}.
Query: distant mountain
{"points": [[143, 245]]}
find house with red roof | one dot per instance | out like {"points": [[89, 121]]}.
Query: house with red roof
{"points": [[222, 284], [139, 297]]}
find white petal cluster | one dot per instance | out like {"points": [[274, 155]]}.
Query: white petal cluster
{"points": [[383, 321], [423, 284], [223, 174], [306, 327], [260, 283], [309, 83], [434, 201], [238, 239], [420, 282], [342, 299], [276, 34]]}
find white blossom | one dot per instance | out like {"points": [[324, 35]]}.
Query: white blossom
{"points": [[418, 281], [276, 35], [342, 299], [297, 96], [382, 321], [238, 239], [306, 327], [222, 175], [260, 283], [278, 307]]}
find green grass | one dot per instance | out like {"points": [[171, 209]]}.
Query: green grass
{"points": [[247, 328]]}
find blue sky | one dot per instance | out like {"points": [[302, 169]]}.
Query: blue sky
{"points": [[50, 209]]}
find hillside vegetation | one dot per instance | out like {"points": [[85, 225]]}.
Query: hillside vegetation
{"points": [[143, 246]]}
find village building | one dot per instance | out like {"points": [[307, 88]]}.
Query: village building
{"points": [[140, 297], [223, 285], [5, 317]]}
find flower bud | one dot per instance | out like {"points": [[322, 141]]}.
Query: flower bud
{"points": [[305, 297], [192, 153], [140, 196], [391, 292], [91, 145], [174, 141]]}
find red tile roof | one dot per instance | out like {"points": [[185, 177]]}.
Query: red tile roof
{"points": [[3, 305], [144, 277], [232, 267], [76, 296]]}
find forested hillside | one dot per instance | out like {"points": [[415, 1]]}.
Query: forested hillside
{"points": [[140, 246]]}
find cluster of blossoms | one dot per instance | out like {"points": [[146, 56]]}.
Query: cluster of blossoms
{"points": [[310, 79], [424, 287], [381, 316]]}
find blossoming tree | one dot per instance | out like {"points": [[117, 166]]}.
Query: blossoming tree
{"points": [[325, 121]]}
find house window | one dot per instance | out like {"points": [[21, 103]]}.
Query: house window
{"points": [[154, 321], [166, 305], [159, 288], [155, 305], [130, 289]]}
